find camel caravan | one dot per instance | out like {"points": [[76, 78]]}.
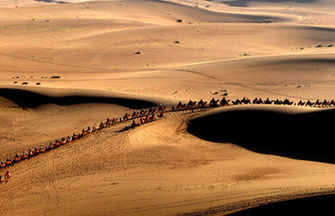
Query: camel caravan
{"points": [[149, 115], [144, 116], [244, 101], [214, 103]]}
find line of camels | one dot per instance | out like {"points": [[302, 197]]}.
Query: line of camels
{"points": [[148, 115]]}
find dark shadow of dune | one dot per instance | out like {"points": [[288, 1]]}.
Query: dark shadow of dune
{"points": [[308, 136], [52, 1], [244, 3], [28, 99], [318, 205]]}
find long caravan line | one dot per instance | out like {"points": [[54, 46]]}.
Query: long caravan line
{"points": [[145, 116], [141, 117]]}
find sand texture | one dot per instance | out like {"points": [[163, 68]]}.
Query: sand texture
{"points": [[66, 65]]}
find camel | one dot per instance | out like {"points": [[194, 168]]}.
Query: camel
{"points": [[325, 103], [268, 101], [36, 151], [191, 103], [51, 146], [30, 153], [8, 175], [126, 117], [300, 103], [17, 158], [8, 162], [42, 149], [213, 103], [287, 102], [309, 103], [257, 101], [278, 102], [75, 136], [134, 114], [57, 143], [224, 102], [102, 125], [162, 108], [317, 103], [246, 100], [143, 112], [202, 103], [180, 105]]}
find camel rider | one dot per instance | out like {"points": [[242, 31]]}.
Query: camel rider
{"points": [[2, 179], [30, 153], [42, 149], [224, 102], [8, 162], [8, 175], [37, 150], [212, 101], [17, 157]]}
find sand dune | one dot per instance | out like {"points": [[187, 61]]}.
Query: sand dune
{"points": [[310, 205], [30, 99], [47, 114], [67, 66]]}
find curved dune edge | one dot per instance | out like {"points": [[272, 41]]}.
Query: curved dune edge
{"points": [[320, 204], [313, 201], [33, 97], [293, 132]]}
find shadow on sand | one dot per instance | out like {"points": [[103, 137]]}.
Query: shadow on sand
{"points": [[52, 1], [318, 205], [244, 3], [308, 136], [28, 99]]}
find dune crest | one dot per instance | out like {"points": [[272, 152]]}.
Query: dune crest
{"points": [[67, 65]]}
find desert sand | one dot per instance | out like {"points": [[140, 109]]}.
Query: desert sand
{"points": [[67, 65]]}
